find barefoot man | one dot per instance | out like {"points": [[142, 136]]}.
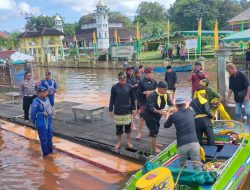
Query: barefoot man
{"points": [[121, 107]]}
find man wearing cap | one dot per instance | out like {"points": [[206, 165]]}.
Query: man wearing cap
{"points": [[214, 100], [41, 113], [187, 142], [156, 102], [28, 93], [145, 87], [203, 117], [51, 85], [171, 79], [197, 75], [142, 70], [121, 108]]}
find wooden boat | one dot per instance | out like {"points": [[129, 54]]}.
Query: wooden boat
{"points": [[185, 68], [226, 166]]}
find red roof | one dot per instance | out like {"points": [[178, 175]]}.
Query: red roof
{"points": [[6, 54]]}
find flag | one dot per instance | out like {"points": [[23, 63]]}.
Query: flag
{"points": [[75, 40], [168, 33], [216, 36], [199, 36], [242, 29], [119, 40], [95, 44], [115, 37], [138, 38]]}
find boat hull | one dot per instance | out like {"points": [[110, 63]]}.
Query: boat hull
{"points": [[185, 68]]}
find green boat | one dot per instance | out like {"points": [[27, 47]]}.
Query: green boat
{"points": [[226, 164]]}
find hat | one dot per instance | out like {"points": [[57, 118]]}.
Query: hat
{"points": [[179, 101], [162, 84], [136, 70], [129, 68], [48, 73], [148, 70], [169, 67], [197, 63], [41, 89], [204, 82]]}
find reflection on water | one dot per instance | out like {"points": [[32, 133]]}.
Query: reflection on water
{"points": [[23, 167], [93, 85]]}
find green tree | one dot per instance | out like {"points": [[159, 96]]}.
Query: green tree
{"points": [[244, 4], [69, 28], [127, 23], [11, 42], [39, 22]]}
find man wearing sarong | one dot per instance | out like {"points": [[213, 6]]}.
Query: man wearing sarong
{"points": [[121, 107], [145, 87], [156, 102], [203, 116], [214, 100]]}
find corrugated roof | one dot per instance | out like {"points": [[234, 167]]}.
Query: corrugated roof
{"points": [[44, 32], [6, 54], [244, 16]]}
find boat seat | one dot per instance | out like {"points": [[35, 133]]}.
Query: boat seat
{"points": [[227, 151], [210, 150]]}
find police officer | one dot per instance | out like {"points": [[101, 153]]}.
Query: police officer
{"points": [[41, 113], [28, 93], [51, 85]]}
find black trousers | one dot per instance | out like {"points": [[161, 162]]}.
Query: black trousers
{"points": [[203, 126], [27, 101]]}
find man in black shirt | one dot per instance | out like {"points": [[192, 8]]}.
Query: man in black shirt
{"points": [[156, 102], [123, 104], [145, 87], [203, 117], [171, 79], [239, 85], [187, 142]]}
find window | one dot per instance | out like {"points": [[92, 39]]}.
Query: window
{"points": [[104, 17], [98, 17], [105, 34], [100, 36]]}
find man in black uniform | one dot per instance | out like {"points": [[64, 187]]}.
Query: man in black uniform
{"points": [[203, 117], [123, 104], [171, 79], [146, 86], [156, 102]]}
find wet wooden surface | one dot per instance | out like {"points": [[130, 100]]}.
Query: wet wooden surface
{"points": [[100, 134]]}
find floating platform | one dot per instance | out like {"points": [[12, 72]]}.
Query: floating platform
{"points": [[98, 134]]}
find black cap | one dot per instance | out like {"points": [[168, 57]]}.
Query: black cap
{"points": [[197, 63], [169, 67], [129, 68], [162, 84]]}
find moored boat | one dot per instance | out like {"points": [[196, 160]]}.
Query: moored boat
{"points": [[185, 68], [226, 165]]}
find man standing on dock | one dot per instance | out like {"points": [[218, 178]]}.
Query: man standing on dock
{"points": [[41, 115], [28, 92], [156, 102], [51, 86], [123, 104], [146, 86], [240, 86], [197, 75], [171, 79]]}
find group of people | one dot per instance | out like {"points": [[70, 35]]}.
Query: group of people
{"points": [[136, 94], [169, 53], [40, 97]]}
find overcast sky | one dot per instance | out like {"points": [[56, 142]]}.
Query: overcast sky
{"points": [[11, 19]]}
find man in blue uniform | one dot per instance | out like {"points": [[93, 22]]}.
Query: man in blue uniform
{"points": [[51, 85], [41, 112]]}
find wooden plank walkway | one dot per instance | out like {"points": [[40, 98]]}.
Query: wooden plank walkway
{"points": [[100, 134]]}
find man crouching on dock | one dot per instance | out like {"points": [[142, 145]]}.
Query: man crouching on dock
{"points": [[123, 103]]}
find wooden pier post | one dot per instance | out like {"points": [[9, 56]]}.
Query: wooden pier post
{"points": [[222, 75]]}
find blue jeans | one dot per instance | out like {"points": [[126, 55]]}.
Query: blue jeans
{"points": [[52, 99], [238, 110]]}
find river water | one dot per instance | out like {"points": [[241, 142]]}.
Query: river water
{"points": [[93, 85]]}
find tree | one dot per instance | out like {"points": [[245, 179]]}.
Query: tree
{"points": [[11, 42], [39, 22], [127, 23], [69, 29], [244, 4]]}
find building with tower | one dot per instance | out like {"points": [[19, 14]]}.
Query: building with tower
{"points": [[58, 23], [104, 27]]}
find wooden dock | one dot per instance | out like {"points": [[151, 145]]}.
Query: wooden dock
{"points": [[98, 134]]}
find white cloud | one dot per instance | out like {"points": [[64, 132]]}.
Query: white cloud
{"points": [[127, 7], [25, 7], [7, 4]]}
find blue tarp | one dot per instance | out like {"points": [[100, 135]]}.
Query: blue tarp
{"points": [[17, 62]]}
